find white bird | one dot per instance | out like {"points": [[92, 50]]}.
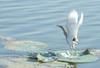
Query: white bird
{"points": [[22, 45], [72, 28]]}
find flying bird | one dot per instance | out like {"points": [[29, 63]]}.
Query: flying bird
{"points": [[72, 28]]}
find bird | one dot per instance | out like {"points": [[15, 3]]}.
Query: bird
{"points": [[30, 46], [71, 30]]}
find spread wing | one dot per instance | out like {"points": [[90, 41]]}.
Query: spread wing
{"points": [[64, 31], [81, 20]]}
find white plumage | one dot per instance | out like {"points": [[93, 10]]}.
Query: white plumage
{"points": [[72, 28]]}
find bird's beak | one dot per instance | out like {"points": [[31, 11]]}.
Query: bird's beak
{"points": [[77, 42]]}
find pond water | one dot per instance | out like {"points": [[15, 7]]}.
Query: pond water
{"points": [[37, 20]]}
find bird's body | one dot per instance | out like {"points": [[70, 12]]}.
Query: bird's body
{"points": [[72, 27]]}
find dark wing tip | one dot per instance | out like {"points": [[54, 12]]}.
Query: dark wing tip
{"points": [[59, 26]]}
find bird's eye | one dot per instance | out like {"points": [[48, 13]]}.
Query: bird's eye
{"points": [[74, 39]]}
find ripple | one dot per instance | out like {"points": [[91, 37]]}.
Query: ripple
{"points": [[37, 20]]}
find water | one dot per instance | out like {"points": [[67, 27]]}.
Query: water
{"points": [[37, 20]]}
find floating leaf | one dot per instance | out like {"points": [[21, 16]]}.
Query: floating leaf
{"points": [[24, 45]]}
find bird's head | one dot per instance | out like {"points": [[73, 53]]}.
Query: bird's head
{"points": [[73, 16], [75, 40]]}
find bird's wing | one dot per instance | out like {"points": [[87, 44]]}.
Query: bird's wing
{"points": [[81, 20], [63, 29]]}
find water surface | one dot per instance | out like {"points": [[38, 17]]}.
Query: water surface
{"points": [[37, 20]]}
